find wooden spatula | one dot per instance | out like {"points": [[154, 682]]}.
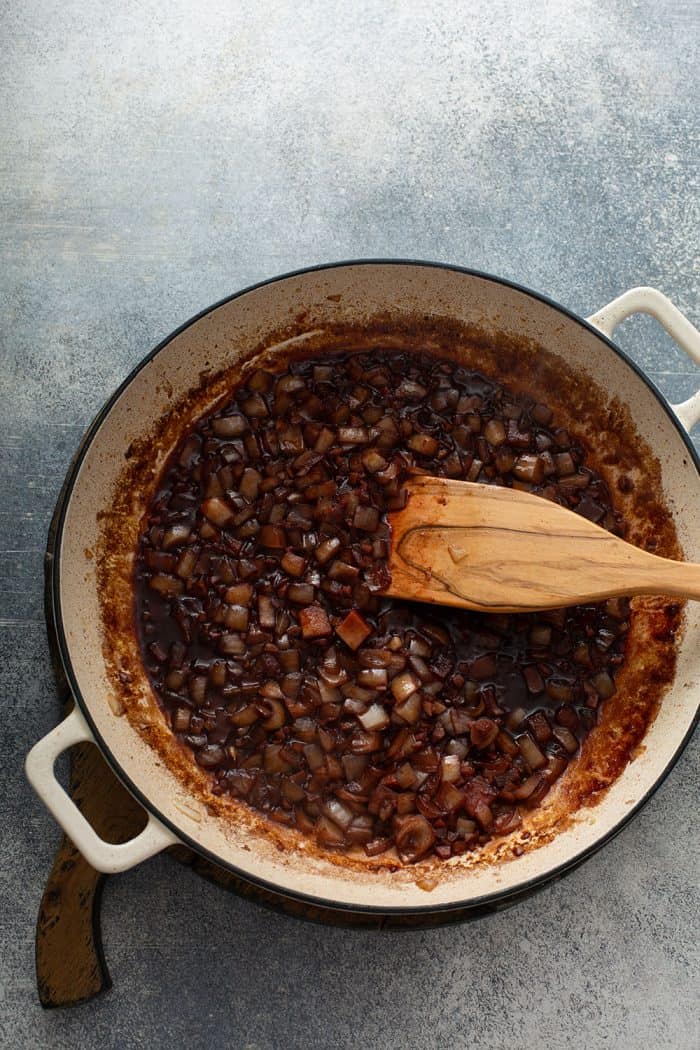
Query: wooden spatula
{"points": [[501, 550]]}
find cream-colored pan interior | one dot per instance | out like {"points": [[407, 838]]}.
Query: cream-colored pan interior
{"points": [[352, 293]]}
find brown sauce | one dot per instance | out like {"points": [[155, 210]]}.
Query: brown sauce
{"points": [[282, 670]]}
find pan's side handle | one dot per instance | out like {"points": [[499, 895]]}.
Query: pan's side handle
{"points": [[106, 857], [650, 301]]}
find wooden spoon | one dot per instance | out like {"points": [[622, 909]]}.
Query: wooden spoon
{"points": [[501, 550]]}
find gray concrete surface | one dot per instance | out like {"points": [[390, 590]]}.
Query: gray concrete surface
{"points": [[157, 157]]}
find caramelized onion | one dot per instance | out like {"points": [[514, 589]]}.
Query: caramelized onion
{"points": [[414, 838], [298, 687]]}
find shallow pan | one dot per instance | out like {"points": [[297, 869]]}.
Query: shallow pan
{"points": [[217, 343]]}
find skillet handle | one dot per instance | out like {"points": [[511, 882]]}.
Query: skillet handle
{"points": [[652, 302], [106, 857]]}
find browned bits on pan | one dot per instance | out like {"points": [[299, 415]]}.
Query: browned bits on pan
{"points": [[365, 722]]}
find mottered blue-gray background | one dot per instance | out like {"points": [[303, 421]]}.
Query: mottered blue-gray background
{"points": [[155, 158]]}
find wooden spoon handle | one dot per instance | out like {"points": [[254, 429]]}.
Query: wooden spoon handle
{"points": [[501, 550]]}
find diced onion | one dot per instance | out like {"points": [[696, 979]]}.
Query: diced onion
{"points": [[375, 717]]}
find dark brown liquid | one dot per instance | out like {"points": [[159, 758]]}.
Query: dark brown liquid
{"points": [[272, 704]]}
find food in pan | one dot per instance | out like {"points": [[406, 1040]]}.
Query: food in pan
{"points": [[299, 687]]}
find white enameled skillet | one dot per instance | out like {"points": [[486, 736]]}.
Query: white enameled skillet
{"points": [[351, 293]]}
